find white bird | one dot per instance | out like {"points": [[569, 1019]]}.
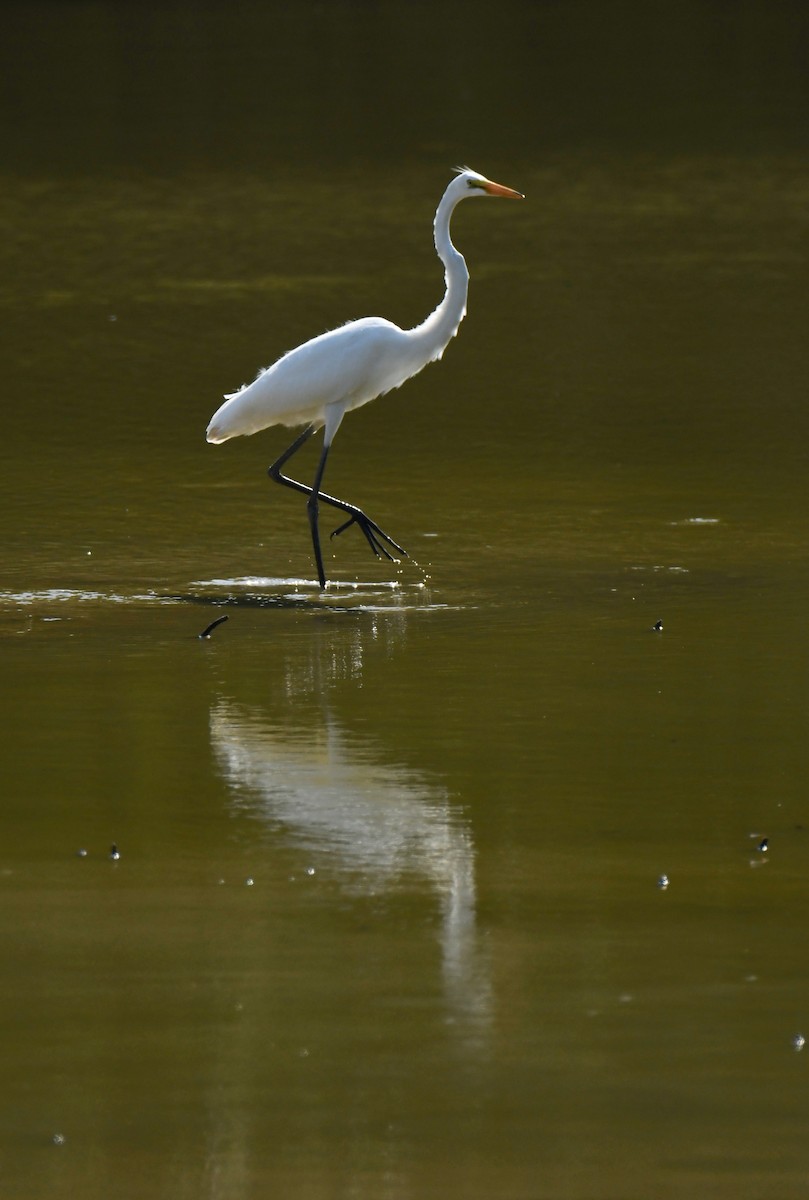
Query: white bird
{"points": [[318, 382]]}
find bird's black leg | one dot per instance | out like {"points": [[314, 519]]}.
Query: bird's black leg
{"points": [[312, 507], [274, 472], [372, 532], [375, 536]]}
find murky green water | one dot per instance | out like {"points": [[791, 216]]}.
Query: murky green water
{"points": [[387, 919]]}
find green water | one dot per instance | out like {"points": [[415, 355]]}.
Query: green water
{"points": [[387, 920]]}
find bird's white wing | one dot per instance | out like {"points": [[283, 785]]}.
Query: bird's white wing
{"points": [[347, 367]]}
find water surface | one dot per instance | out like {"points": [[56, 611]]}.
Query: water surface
{"points": [[387, 919]]}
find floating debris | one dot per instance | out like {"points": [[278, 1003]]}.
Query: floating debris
{"points": [[115, 853], [663, 882], [208, 630], [81, 852], [763, 845], [798, 1042], [657, 627], [58, 1139]]}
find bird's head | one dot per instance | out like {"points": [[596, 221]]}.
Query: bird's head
{"points": [[468, 183]]}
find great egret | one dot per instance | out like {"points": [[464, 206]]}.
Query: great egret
{"points": [[318, 382]]}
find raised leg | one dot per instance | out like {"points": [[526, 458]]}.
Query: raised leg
{"points": [[375, 537]]}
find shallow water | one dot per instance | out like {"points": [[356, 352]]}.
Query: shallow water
{"points": [[389, 916]]}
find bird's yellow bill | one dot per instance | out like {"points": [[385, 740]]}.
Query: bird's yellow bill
{"points": [[498, 189]]}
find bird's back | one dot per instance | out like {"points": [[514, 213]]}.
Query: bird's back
{"points": [[347, 366]]}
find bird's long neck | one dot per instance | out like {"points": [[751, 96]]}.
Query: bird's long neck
{"points": [[434, 333]]}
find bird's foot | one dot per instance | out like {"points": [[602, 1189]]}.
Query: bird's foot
{"points": [[375, 537]]}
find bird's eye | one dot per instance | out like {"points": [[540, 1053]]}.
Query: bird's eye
{"points": [[474, 183]]}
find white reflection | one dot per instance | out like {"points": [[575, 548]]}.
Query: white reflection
{"points": [[382, 825]]}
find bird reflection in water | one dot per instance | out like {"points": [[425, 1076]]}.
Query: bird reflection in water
{"points": [[379, 825]]}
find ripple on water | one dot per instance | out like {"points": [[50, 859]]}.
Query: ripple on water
{"points": [[47, 596], [253, 591], [359, 595]]}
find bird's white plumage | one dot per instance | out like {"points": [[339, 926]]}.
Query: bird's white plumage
{"points": [[319, 381], [345, 367]]}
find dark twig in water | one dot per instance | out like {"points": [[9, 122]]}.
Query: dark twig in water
{"points": [[206, 633]]}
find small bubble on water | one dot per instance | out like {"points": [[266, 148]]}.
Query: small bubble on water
{"points": [[663, 882], [58, 1139], [310, 870], [249, 881], [799, 1041]]}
